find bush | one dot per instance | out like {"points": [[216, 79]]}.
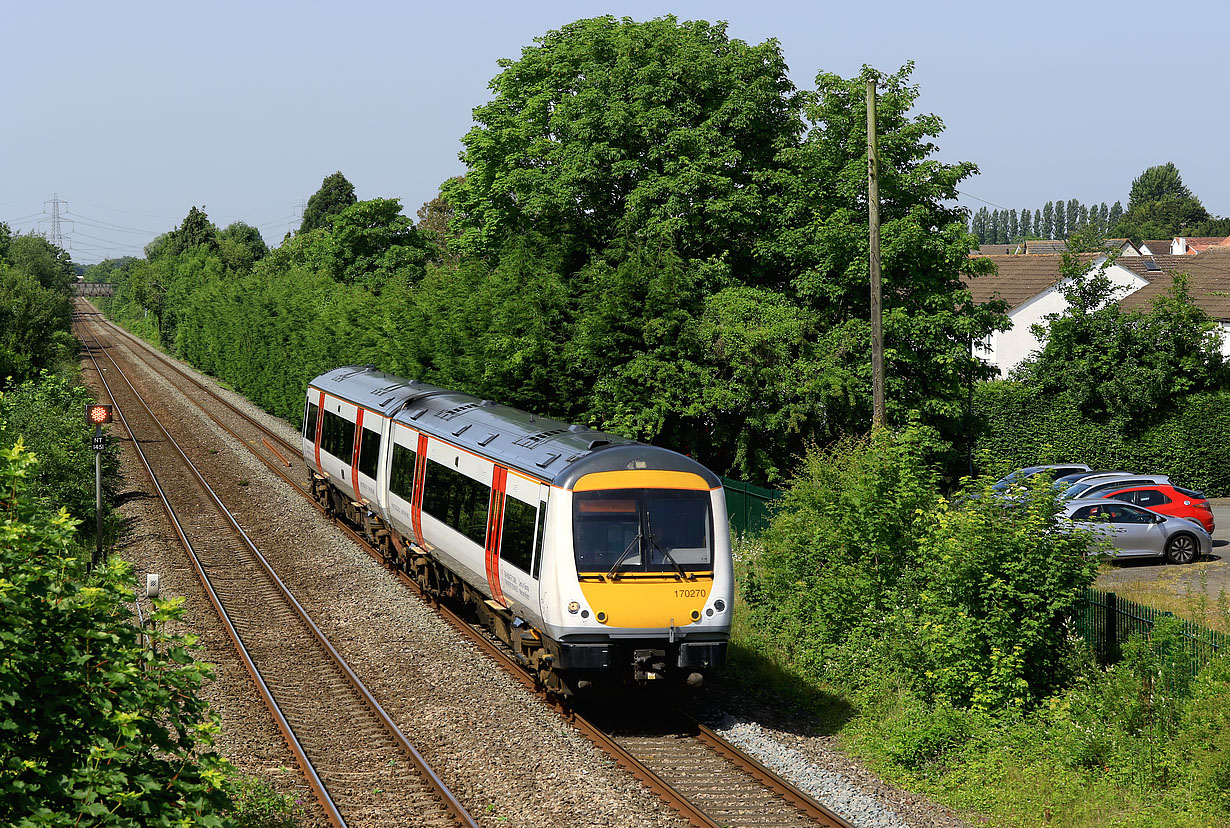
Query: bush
{"points": [[1022, 426], [94, 728], [866, 568]]}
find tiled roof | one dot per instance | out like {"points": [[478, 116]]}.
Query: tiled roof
{"points": [[1018, 278], [1209, 284], [999, 249], [1160, 247]]}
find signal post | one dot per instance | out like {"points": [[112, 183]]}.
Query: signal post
{"points": [[98, 415]]}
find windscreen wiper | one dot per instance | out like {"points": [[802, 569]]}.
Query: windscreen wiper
{"points": [[653, 542], [623, 556]]}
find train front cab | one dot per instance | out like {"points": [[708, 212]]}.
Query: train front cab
{"points": [[651, 577]]}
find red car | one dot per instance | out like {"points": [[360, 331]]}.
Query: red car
{"points": [[1166, 499]]}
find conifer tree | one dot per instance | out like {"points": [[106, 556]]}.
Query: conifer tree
{"points": [[1104, 219], [1116, 213], [1038, 224], [1074, 215], [1059, 230], [1047, 230], [1014, 226], [1025, 224]]}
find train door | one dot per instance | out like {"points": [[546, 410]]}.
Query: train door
{"points": [[367, 461], [309, 433], [337, 441], [401, 459], [520, 541]]}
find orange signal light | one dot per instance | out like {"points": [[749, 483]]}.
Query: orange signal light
{"points": [[98, 414]]}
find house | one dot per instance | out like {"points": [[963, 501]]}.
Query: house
{"points": [[1181, 246], [1031, 285], [1032, 247]]}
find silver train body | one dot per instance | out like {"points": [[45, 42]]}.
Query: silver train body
{"points": [[597, 558]]}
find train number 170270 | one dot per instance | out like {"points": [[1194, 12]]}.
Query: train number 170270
{"points": [[690, 593]]}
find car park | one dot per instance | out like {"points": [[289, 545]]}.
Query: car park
{"points": [[1168, 499], [1134, 532]]}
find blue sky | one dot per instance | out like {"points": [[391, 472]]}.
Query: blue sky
{"points": [[135, 112]]}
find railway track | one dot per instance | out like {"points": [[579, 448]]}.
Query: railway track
{"points": [[705, 778], [360, 766]]}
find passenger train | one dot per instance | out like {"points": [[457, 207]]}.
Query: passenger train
{"points": [[597, 559]]}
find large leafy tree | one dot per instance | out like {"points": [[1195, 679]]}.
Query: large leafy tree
{"points": [[334, 196], [609, 129], [1160, 206], [241, 246], [930, 319], [196, 230]]}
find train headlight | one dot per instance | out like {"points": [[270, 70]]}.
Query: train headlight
{"points": [[719, 605], [574, 607]]}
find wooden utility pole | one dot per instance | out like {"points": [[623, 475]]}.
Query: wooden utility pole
{"points": [[878, 419]]}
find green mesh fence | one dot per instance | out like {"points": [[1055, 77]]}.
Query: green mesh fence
{"points": [[747, 505], [1108, 620]]}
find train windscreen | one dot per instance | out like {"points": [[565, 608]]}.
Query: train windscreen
{"points": [[624, 531]]}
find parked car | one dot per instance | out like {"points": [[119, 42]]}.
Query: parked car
{"points": [[1068, 479], [1055, 470], [1134, 532], [1172, 500], [1084, 484], [1100, 486]]}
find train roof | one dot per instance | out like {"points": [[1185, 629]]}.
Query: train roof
{"points": [[551, 450]]}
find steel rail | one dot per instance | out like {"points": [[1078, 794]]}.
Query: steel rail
{"points": [[451, 802], [332, 814], [591, 731]]}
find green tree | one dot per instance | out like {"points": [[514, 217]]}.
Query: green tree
{"points": [[1027, 229], [1038, 231], [38, 258], [1120, 365], [1160, 206], [334, 196], [97, 729], [1048, 221], [609, 129], [195, 231], [34, 325], [1014, 226], [1114, 217], [367, 243], [1060, 227], [1073, 219], [241, 246]]}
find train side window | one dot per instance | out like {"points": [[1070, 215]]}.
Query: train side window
{"points": [[401, 474], [337, 436], [459, 501], [309, 422], [369, 452], [517, 542]]}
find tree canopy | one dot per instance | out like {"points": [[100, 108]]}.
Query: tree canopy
{"points": [[334, 196], [657, 233]]}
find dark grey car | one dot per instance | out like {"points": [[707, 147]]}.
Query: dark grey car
{"points": [[1133, 532]]}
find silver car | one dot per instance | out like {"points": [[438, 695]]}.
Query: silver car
{"points": [[1133, 532]]}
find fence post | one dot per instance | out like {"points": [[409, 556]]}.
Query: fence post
{"points": [[1112, 628]]}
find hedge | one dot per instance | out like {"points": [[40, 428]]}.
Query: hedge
{"points": [[1020, 426]]}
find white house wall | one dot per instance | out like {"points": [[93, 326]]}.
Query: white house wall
{"points": [[1009, 348]]}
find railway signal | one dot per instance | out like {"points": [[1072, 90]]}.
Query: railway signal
{"points": [[98, 415]]}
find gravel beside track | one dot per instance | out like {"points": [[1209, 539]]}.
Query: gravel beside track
{"points": [[509, 759]]}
